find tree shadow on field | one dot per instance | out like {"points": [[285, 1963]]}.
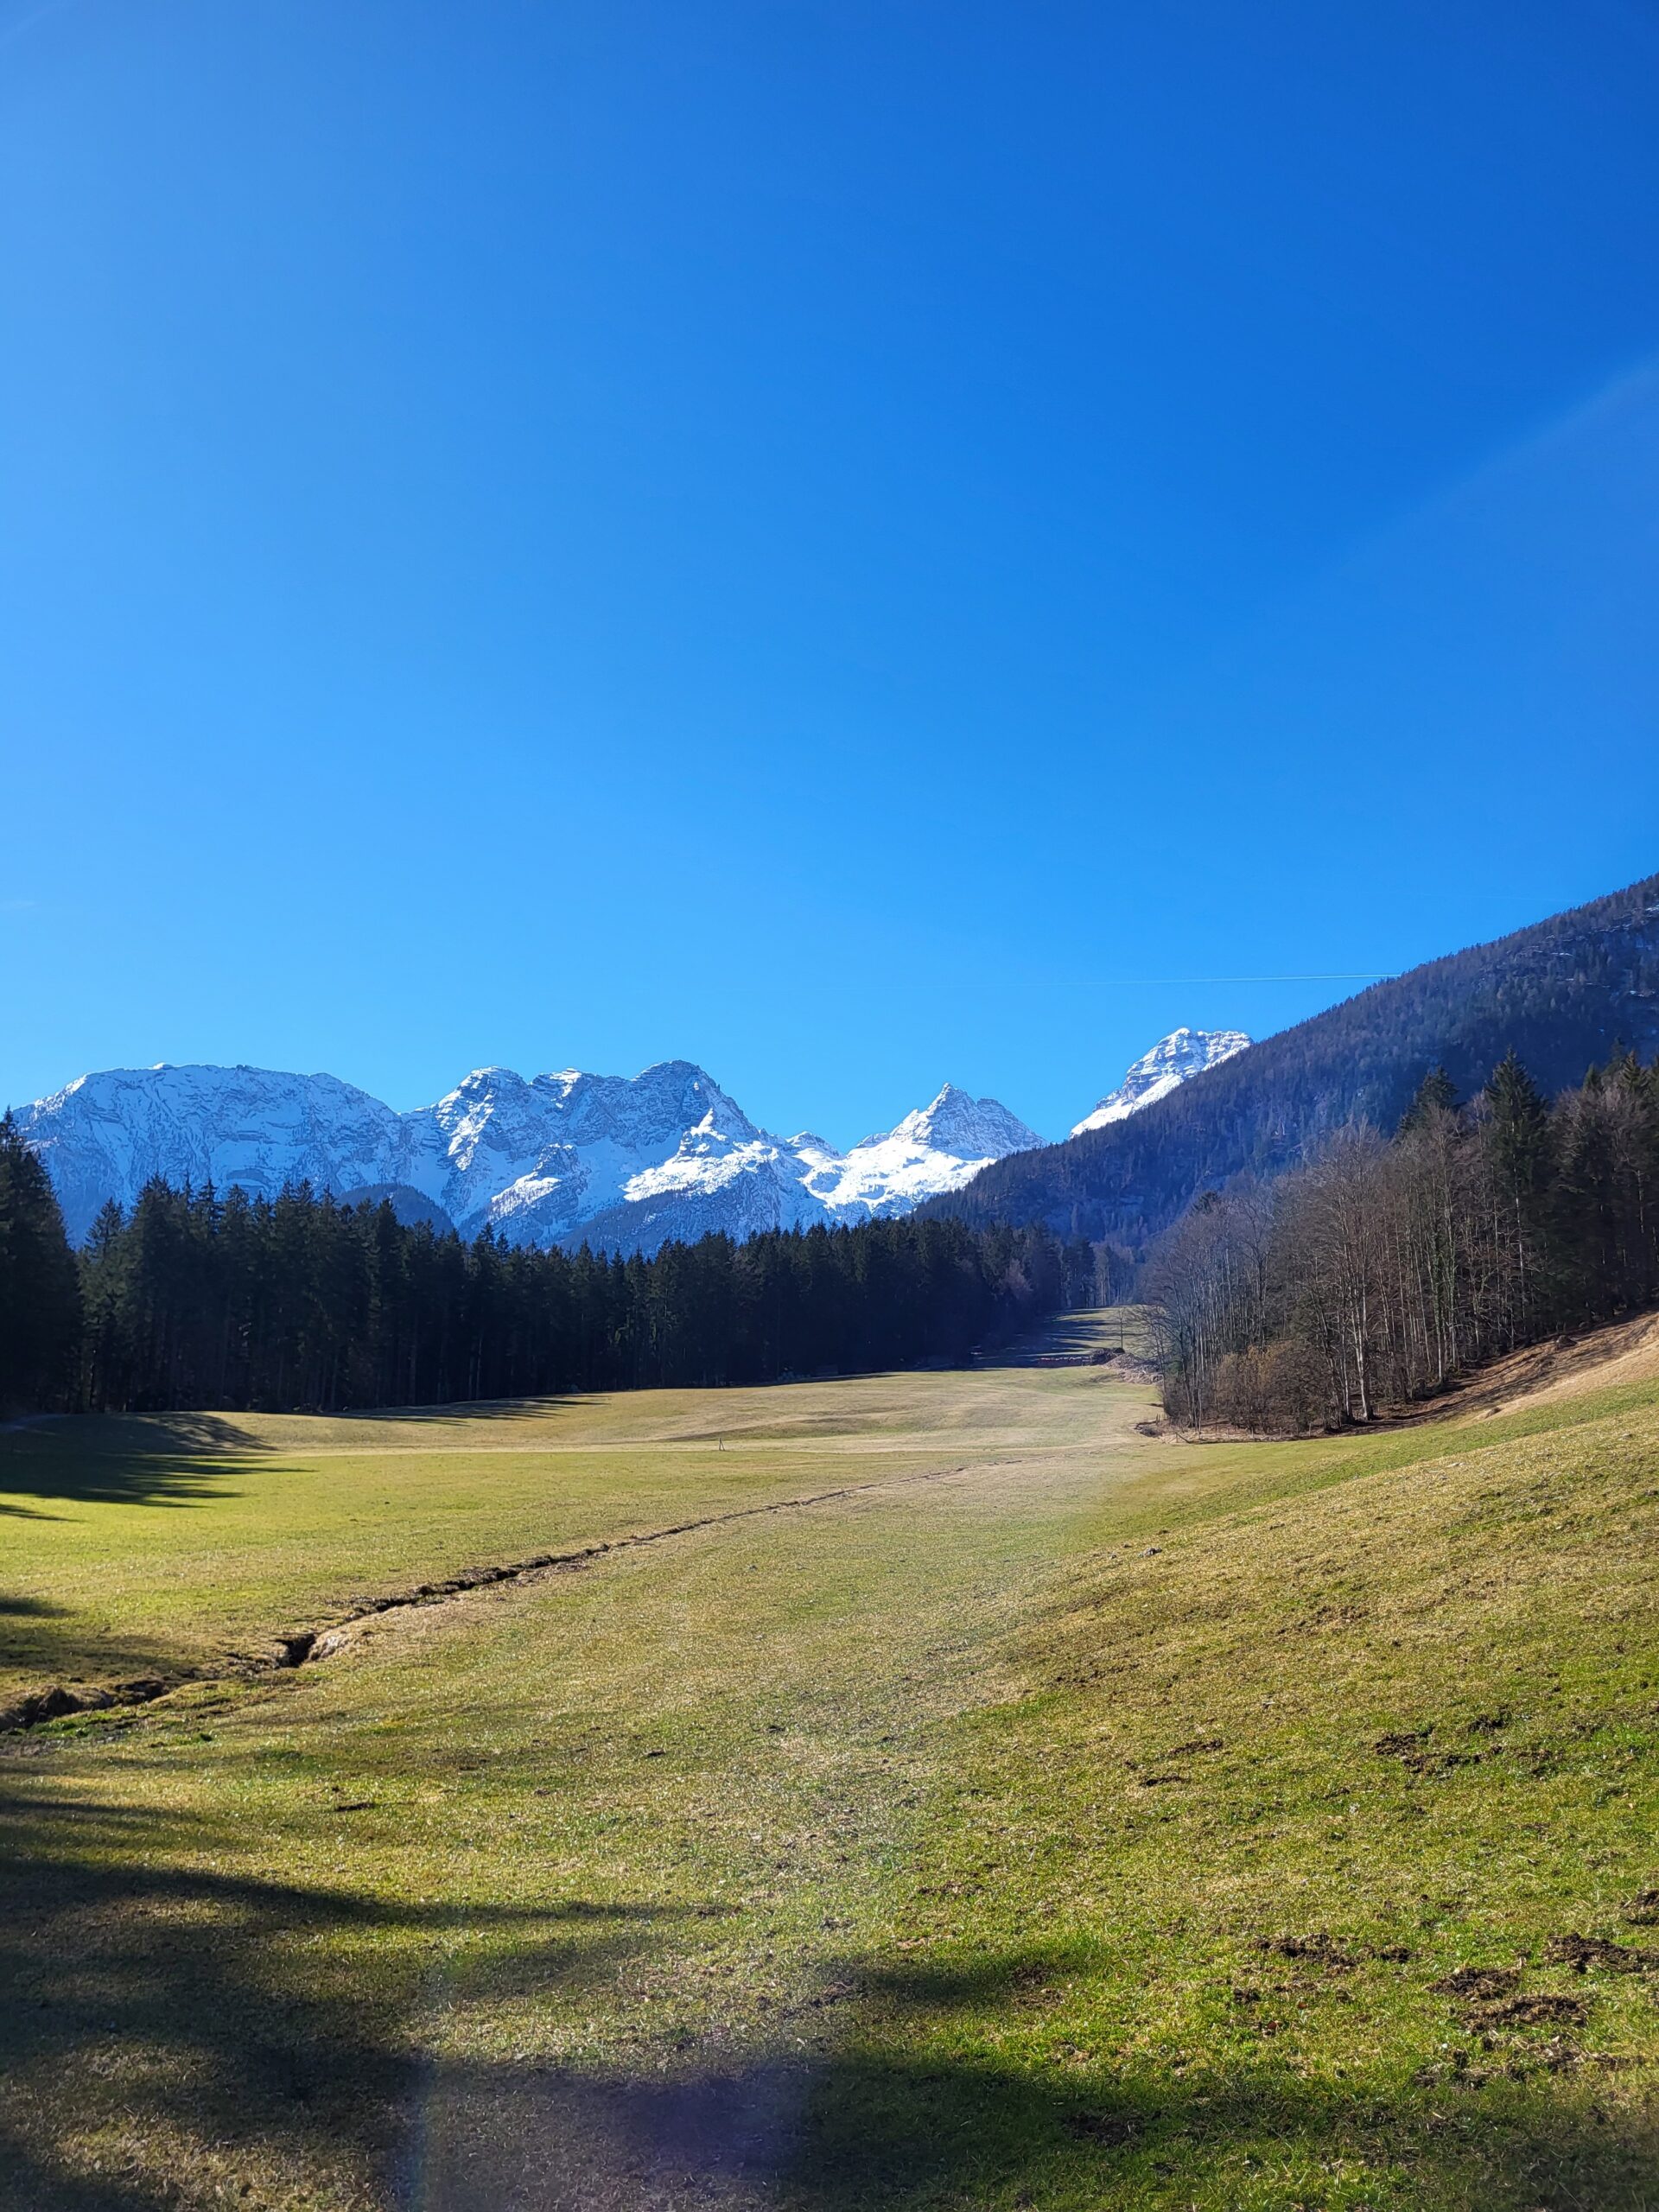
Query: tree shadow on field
{"points": [[280, 2034], [463, 1412], [887, 2129], [879, 2125], [145, 1989], [148, 1459]]}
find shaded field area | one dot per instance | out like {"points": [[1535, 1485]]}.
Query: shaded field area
{"points": [[1064, 1817]]}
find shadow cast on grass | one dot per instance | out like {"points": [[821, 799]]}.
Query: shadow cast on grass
{"points": [[889, 2128], [863, 2131], [287, 2029], [888, 2121], [468, 1410], [148, 1459], [887, 2133], [147, 1987], [43, 1643]]}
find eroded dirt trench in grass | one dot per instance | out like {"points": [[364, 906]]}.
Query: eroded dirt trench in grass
{"points": [[152, 1548], [565, 1892], [1023, 1828], [773, 1751]]}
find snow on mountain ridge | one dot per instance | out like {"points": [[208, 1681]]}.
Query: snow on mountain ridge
{"points": [[1173, 1060], [635, 1160], [956, 1123], [104, 1135], [936, 1148]]}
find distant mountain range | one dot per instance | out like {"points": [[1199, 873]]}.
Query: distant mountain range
{"points": [[1563, 993], [626, 1162], [623, 1163]]}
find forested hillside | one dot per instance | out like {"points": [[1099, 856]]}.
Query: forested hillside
{"points": [[1383, 1269], [1562, 995]]}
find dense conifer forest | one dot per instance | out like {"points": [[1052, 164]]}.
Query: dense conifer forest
{"points": [[1382, 1269], [195, 1300]]}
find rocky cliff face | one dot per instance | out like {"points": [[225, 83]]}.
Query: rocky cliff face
{"points": [[1173, 1060], [104, 1136], [626, 1161]]}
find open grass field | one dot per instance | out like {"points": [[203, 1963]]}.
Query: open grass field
{"points": [[1053, 1816]]}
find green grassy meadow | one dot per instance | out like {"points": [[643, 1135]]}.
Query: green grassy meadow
{"points": [[1009, 1831]]}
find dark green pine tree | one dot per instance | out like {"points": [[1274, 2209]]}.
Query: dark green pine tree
{"points": [[1520, 1126], [106, 1352], [1436, 1093], [40, 1286]]}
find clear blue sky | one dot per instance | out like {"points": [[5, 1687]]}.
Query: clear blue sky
{"points": [[858, 544]]}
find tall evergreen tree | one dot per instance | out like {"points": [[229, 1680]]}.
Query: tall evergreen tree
{"points": [[1435, 1094], [102, 1260], [40, 1286]]}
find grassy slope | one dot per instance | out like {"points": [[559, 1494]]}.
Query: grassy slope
{"points": [[836, 1859]]}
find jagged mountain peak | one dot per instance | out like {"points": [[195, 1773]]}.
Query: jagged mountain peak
{"points": [[488, 1079], [955, 1120], [630, 1160], [936, 1148], [1173, 1060]]}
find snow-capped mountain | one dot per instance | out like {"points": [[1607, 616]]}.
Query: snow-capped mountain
{"points": [[1173, 1060], [625, 1162], [104, 1136], [934, 1149]]}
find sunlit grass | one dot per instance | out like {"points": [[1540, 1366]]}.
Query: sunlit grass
{"points": [[160, 1544], [916, 1849]]}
